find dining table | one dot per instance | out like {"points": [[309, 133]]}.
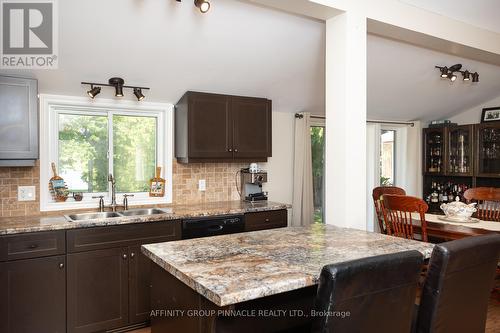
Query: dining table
{"points": [[439, 228]]}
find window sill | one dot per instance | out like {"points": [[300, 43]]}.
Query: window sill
{"points": [[87, 204]]}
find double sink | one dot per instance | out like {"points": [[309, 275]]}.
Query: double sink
{"points": [[108, 215]]}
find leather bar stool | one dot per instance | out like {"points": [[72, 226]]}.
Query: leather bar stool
{"points": [[377, 293]]}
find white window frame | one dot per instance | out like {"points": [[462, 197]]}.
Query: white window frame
{"points": [[52, 105]]}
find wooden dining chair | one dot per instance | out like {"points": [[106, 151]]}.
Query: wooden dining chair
{"points": [[377, 200], [397, 211], [488, 202]]}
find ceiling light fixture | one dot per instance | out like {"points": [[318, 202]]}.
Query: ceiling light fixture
{"points": [[117, 83], [94, 91], [138, 93], [203, 5], [449, 73], [475, 77]]}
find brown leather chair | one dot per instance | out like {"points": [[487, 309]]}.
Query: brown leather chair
{"points": [[377, 201], [458, 285], [375, 294], [397, 211], [488, 202]]}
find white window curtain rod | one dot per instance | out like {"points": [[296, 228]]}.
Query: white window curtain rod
{"points": [[409, 123]]}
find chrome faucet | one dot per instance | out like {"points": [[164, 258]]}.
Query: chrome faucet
{"points": [[113, 205]]}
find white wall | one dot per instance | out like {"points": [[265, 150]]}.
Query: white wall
{"points": [[473, 115]]}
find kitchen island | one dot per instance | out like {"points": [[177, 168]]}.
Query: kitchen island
{"points": [[196, 282]]}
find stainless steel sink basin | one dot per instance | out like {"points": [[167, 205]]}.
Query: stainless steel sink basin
{"points": [[92, 216], [138, 212]]}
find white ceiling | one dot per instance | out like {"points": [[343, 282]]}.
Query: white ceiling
{"points": [[404, 85], [237, 48], [241, 48], [481, 13]]}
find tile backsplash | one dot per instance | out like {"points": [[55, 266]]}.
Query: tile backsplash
{"points": [[220, 185]]}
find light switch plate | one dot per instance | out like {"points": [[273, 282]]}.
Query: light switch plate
{"points": [[202, 185], [26, 193]]}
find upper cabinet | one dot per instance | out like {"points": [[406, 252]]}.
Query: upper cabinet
{"points": [[222, 128], [448, 150], [488, 150], [18, 121]]}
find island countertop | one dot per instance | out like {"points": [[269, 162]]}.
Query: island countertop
{"points": [[56, 221], [235, 268]]}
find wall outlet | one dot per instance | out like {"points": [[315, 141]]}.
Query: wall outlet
{"points": [[26, 193], [202, 185]]}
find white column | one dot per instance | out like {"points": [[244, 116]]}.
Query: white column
{"points": [[345, 197]]}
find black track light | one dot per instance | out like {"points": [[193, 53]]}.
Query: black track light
{"points": [[452, 77], [118, 83], [466, 75], [475, 77], [444, 72], [94, 91], [138, 93], [203, 5]]}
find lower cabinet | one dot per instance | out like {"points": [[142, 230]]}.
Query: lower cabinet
{"points": [[266, 220], [97, 290], [139, 286], [33, 295]]}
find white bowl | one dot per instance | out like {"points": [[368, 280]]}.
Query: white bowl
{"points": [[458, 209]]}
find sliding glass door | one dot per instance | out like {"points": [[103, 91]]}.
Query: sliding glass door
{"points": [[318, 169]]}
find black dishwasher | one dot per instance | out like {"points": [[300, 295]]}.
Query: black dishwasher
{"points": [[212, 226]]}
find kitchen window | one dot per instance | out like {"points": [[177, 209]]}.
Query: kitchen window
{"points": [[88, 140]]}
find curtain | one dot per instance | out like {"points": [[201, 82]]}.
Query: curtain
{"points": [[302, 205], [372, 172], [409, 162]]}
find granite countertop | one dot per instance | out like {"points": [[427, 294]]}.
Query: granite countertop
{"points": [[230, 269], [16, 225]]}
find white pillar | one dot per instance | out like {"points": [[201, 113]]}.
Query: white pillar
{"points": [[345, 197]]}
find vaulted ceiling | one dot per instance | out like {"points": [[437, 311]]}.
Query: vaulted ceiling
{"points": [[248, 49]]}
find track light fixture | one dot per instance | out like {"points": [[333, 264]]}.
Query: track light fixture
{"points": [[94, 91], [202, 5], [138, 93], [449, 73], [117, 83]]}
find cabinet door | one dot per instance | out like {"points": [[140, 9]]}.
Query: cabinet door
{"points": [[459, 152], [488, 150], [140, 286], [209, 130], [97, 290], [33, 295], [19, 119], [252, 127], [434, 151]]}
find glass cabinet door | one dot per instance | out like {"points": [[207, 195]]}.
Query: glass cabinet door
{"points": [[460, 150], [488, 150], [434, 150]]}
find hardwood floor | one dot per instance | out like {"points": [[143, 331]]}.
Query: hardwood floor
{"points": [[492, 323]]}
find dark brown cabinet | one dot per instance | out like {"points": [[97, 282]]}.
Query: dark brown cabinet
{"points": [[97, 290], [266, 220], [434, 151], [459, 161], [488, 150], [222, 128], [139, 286], [33, 295], [109, 277]]}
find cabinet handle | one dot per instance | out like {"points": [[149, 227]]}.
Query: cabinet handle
{"points": [[132, 255], [33, 246], [229, 150], [236, 150], [267, 220], [61, 265], [124, 256]]}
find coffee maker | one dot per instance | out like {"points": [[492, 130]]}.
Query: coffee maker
{"points": [[251, 181]]}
